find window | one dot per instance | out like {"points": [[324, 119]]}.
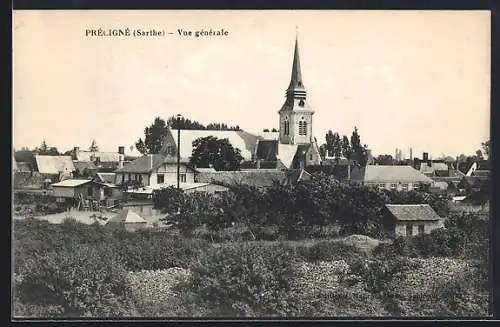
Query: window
{"points": [[421, 229], [129, 176], [90, 191], [301, 103], [409, 230], [302, 127], [160, 179], [286, 126], [310, 156], [405, 187], [182, 178], [381, 185], [136, 177], [169, 149], [393, 186], [123, 178]]}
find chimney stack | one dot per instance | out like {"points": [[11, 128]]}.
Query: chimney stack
{"points": [[425, 157], [411, 155], [121, 150], [150, 161]]}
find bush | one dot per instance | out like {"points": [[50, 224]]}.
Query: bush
{"points": [[83, 280], [331, 250], [242, 279]]}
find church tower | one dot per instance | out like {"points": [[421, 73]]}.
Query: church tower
{"points": [[296, 115]]}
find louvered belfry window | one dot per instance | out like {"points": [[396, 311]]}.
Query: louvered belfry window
{"points": [[302, 128]]}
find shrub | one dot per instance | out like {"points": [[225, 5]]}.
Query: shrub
{"points": [[242, 279], [83, 280], [331, 250]]}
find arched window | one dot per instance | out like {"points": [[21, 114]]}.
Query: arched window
{"points": [[302, 126], [286, 126]]}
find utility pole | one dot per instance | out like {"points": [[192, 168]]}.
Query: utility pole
{"points": [[178, 149]]}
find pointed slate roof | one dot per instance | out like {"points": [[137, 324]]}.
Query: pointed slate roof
{"points": [[296, 86]]}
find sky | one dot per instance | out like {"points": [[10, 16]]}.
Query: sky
{"points": [[418, 79]]}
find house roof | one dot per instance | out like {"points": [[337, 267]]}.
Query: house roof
{"points": [[147, 163], [242, 140], [127, 216], [254, 177], [54, 164], [183, 186], [412, 212], [286, 153], [267, 149], [103, 156], [439, 166], [106, 177], [388, 174], [82, 165], [296, 175], [72, 182]]}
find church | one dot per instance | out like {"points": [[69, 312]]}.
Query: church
{"points": [[293, 147]]}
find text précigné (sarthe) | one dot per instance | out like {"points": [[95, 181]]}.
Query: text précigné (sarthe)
{"points": [[154, 32]]}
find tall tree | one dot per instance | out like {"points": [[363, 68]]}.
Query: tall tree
{"points": [[359, 152], [46, 150], [154, 136], [346, 148], [329, 143], [94, 147], [184, 123], [217, 153], [486, 148]]}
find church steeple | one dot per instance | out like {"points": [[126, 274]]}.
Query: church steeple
{"points": [[296, 87]]}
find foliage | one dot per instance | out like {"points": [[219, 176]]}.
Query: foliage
{"points": [[75, 279], [94, 147], [154, 136], [186, 123], [46, 150], [242, 280], [217, 153]]}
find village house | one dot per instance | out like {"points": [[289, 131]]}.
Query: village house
{"points": [[100, 161], [399, 178], [410, 219], [155, 169], [72, 191], [292, 147]]}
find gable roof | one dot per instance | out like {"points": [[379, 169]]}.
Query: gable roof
{"points": [[412, 212], [106, 177], [82, 165], [72, 183], [242, 140], [435, 166], [54, 164], [254, 177], [286, 153], [127, 216], [103, 156], [145, 164], [388, 174]]}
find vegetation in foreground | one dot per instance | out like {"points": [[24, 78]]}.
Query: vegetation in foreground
{"points": [[281, 252]]}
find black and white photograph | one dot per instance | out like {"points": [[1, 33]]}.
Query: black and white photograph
{"points": [[261, 164]]}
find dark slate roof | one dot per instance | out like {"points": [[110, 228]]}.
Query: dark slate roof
{"points": [[254, 177], [148, 163], [144, 164], [388, 174], [412, 212], [267, 149], [82, 165]]}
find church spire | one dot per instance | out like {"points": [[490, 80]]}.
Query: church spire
{"points": [[296, 87]]}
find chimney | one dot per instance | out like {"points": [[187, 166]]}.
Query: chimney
{"points": [[411, 155], [76, 149], [121, 150], [425, 157], [150, 161]]}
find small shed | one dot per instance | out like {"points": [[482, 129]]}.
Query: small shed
{"points": [[127, 219], [411, 219], [76, 188]]}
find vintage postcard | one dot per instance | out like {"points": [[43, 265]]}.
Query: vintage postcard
{"points": [[262, 164]]}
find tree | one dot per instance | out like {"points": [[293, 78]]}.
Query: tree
{"points": [[154, 136], [333, 144], [274, 130], [94, 147], [346, 148], [46, 150], [218, 153], [486, 148], [183, 123], [358, 151]]}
